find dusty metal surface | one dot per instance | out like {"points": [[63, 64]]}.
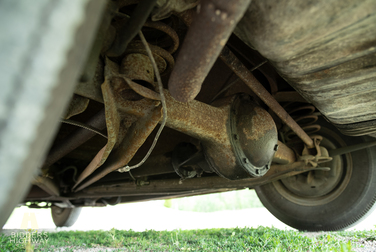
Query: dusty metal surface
{"points": [[239, 69], [75, 139], [331, 62], [207, 35]]}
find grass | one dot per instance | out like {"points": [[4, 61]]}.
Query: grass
{"points": [[234, 200], [235, 239]]}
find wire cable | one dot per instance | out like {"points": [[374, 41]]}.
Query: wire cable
{"points": [[83, 125], [164, 106]]}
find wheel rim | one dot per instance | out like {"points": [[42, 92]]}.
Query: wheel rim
{"points": [[57, 210], [317, 187]]}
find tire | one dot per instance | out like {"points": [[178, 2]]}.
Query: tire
{"points": [[338, 202], [43, 53], [65, 217]]}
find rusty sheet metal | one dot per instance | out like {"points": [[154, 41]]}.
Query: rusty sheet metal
{"points": [[240, 70], [284, 155], [143, 91], [204, 41], [75, 139], [136, 136], [112, 119], [116, 94], [175, 185], [116, 125]]}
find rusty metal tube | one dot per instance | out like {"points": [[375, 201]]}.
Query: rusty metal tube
{"points": [[284, 155], [247, 77], [75, 139], [207, 35], [46, 184], [202, 121]]}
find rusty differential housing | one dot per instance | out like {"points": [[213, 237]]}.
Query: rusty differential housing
{"points": [[253, 138]]}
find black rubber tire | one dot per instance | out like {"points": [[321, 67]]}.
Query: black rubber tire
{"points": [[351, 205], [65, 217]]}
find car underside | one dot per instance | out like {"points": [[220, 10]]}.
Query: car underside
{"points": [[184, 97]]}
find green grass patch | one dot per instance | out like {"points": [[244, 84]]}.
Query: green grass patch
{"points": [[234, 200], [234, 239]]}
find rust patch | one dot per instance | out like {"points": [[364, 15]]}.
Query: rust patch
{"points": [[261, 123], [137, 66], [244, 74], [206, 37]]}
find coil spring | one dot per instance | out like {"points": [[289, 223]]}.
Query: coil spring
{"points": [[305, 116], [161, 36]]}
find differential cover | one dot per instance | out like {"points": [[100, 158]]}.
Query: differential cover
{"points": [[252, 138]]}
